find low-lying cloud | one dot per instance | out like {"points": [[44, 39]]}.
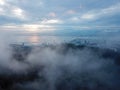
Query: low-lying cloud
{"points": [[58, 67]]}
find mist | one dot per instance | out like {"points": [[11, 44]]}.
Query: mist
{"points": [[58, 67]]}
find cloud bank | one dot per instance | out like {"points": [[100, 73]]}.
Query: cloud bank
{"points": [[58, 67]]}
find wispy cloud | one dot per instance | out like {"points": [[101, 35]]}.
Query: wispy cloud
{"points": [[52, 12], [96, 14], [19, 13], [51, 21], [12, 11]]}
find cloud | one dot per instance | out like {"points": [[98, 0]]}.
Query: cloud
{"points": [[99, 13], [75, 19], [51, 21], [19, 13], [59, 67], [12, 11], [71, 12], [108, 16], [88, 16], [52, 14], [30, 28], [65, 13]]}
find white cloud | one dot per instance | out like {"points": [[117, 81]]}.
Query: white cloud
{"points": [[52, 21], [88, 16], [111, 9], [12, 11], [19, 13], [95, 14]]}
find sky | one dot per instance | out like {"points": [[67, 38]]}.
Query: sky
{"points": [[60, 15]]}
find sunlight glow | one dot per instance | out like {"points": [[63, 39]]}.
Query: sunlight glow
{"points": [[38, 28], [34, 39], [2, 2], [34, 28]]}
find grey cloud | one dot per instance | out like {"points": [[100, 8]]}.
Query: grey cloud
{"points": [[70, 13]]}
